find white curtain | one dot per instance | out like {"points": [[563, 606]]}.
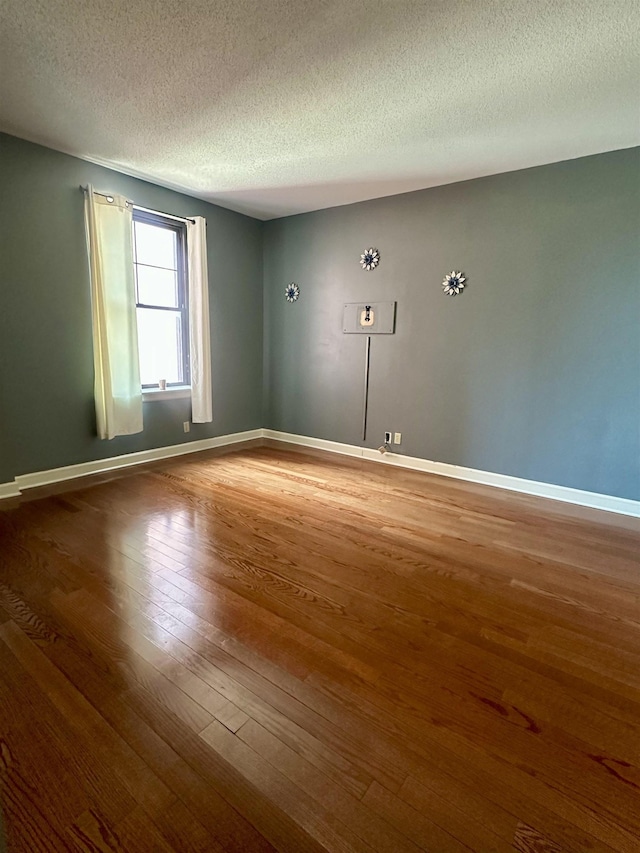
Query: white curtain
{"points": [[118, 394], [199, 334]]}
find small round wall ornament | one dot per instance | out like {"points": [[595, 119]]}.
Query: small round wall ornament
{"points": [[292, 292], [369, 259], [453, 283]]}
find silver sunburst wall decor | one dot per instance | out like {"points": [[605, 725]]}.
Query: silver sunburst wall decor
{"points": [[453, 283], [292, 292], [369, 259]]}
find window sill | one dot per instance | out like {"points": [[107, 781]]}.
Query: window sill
{"points": [[178, 392]]}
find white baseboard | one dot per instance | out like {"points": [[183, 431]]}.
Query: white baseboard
{"points": [[113, 463], [594, 500], [9, 490], [502, 481]]}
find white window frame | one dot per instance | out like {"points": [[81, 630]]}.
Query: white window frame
{"points": [[175, 390]]}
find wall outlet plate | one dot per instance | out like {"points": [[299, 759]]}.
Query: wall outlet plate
{"points": [[397, 438], [387, 438]]}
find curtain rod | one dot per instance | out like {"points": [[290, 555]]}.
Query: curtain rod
{"points": [[145, 209]]}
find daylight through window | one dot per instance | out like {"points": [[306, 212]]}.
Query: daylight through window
{"points": [[161, 299]]}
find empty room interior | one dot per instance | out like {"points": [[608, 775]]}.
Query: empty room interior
{"points": [[320, 426]]}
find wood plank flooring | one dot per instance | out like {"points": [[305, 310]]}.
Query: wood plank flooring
{"points": [[270, 650]]}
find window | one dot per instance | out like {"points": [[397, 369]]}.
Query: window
{"points": [[159, 255]]}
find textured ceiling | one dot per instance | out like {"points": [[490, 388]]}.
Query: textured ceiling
{"points": [[273, 107]]}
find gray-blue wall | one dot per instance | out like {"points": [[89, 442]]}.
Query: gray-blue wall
{"points": [[47, 415], [534, 371]]}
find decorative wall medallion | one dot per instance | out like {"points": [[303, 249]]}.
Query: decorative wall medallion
{"points": [[370, 259], [453, 283], [292, 292]]}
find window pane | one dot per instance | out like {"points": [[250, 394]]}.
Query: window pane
{"points": [[155, 245], [157, 287], [160, 346]]}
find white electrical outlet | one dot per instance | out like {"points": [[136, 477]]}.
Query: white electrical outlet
{"points": [[387, 438], [186, 426], [397, 438]]}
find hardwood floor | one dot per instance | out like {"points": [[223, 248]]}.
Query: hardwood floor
{"points": [[274, 650]]}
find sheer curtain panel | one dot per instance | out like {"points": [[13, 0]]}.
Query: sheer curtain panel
{"points": [[199, 324], [118, 395]]}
